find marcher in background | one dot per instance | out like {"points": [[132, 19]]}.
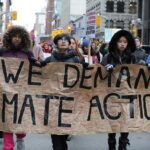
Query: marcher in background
{"points": [[96, 55], [46, 48], [36, 49], [140, 53], [121, 49], [50, 47], [75, 47], [85, 46], [16, 44], [61, 54], [89, 52], [103, 49], [86, 51]]}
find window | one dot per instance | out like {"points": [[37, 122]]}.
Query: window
{"points": [[132, 7], [1, 4], [109, 23], [110, 6], [120, 7], [120, 24]]}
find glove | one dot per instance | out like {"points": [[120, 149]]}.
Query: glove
{"points": [[85, 64], [109, 67], [43, 63], [34, 62], [142, 62], [148, 62]]}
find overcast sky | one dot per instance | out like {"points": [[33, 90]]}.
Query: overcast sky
{"points": [[26, 11]]}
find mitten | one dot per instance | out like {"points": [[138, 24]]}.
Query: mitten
{"points": [[109, 67]]}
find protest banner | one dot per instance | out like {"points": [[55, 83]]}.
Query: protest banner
{"points": [[66, 98]]}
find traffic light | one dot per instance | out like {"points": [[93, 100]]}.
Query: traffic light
{"points": [[98, 20], [69, 29], [14, 15], [134, 30]]}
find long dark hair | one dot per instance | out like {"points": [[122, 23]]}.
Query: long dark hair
{"points": [[131, 47]]}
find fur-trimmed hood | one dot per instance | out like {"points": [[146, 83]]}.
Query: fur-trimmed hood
{"points": [[17, 30], [131, 47]]}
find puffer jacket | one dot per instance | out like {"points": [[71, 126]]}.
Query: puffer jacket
{"points": [[140, 56], [114, 59]]}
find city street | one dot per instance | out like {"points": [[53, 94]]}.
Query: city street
{"points": [[138, 141], [75, 66]]}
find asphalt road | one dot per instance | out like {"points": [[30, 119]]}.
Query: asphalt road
{"points": [[138, 141]]}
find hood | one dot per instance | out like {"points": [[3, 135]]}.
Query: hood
{"points": [[131, 42], [26, 42]]}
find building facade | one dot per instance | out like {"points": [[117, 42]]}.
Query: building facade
{"points": [[144, 13], [57, 14], [39, 26], [79, 28], [71, 10], [49, 16], [1, 12], [119, 14], [5, 19]]}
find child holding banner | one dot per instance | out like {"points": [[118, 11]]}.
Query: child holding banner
{"points": [[75, 46], [61, 54], [121, 49], [140, 53], [16, 43]]}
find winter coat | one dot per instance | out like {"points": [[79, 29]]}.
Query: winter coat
{"points": [[114, 59], [59, 57], [140, 56], [38, 52], [16, 54]]}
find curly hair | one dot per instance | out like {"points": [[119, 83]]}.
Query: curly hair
{"points": [[24, 35]]}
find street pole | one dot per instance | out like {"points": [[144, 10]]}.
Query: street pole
{"points": [[38, 23], [143, 14], [49, 16], [1, 22], [7, 9]]}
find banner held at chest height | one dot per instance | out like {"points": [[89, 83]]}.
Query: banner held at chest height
{"points": [[69, 98]]}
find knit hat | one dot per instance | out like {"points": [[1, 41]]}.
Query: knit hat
{"points": [[85, 43]]}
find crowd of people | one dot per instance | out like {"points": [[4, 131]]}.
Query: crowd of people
{"points": [[122, 49]]}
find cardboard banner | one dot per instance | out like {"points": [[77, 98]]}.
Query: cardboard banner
{"points": [[65, 98]]}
